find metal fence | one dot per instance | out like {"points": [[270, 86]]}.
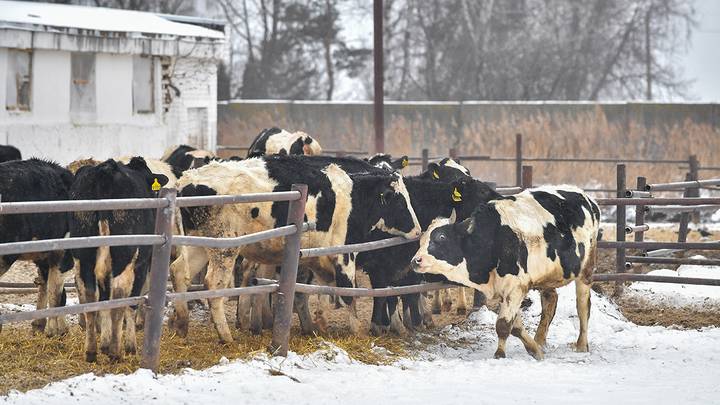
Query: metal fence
{"points": [[162, 241]]}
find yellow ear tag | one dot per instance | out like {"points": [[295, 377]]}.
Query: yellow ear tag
{"points": [[156, 185], [435, 174], [456, 196], [405, 162]]}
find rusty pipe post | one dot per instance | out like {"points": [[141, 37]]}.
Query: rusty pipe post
{"points": [[518, 160], [378, 68], [640, 210], [425, 159], [159, 269], [286, 292], [527, 177], [621, 221]]}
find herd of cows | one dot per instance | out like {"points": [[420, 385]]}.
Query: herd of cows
{"points": [[501, 246]]}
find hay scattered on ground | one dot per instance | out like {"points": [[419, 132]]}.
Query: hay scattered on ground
{"points": [[31, 361]]}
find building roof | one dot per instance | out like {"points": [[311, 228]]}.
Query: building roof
{"points": [[60, 17]]}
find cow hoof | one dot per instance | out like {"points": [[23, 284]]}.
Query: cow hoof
{"points": [[256, 329], [447, 307], [105, 350], [499, 354], [38, 325], [538, 355], [115, 358], [462, 311], [130, 349], [90, 357], [581, 347], [378, 330]]}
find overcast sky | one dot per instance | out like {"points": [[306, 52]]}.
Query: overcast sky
{"points": [[702, 62]]}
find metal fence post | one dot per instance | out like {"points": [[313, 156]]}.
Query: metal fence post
{"points": [[621, 222], [452, 153], [288, 275], [425, 159], [527, 177], [159, 269], [518, 160], [640, 210]]}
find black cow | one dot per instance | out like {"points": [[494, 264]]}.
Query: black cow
{"points": [[184, 157], [8, 153], [272, 141], [542, 238], [37, 180], [118, 271], [430, 199], [345, 207]]}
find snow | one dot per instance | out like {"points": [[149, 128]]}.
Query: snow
{"points": [[97, 19], [627, 364], [680, 295]]}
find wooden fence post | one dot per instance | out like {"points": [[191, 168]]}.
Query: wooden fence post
{"points": [[685, 216], [640, 210], [621, 222], [159, 269], [425, 159], [518, 160], [527, 177], [286, 292], [695, 176]]}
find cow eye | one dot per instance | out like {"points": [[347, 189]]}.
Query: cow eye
{"points": [[442, 237]]}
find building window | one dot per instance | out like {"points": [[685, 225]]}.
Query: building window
{"points": [[143, 85], [18, 80], [82, 85]]}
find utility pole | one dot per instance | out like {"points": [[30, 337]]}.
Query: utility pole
{"points": [[378, 65]]}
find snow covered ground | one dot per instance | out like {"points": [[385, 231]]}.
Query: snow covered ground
{"points": [[627, 364]]}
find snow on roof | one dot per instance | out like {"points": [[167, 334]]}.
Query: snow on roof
{"points": [[23, 14]]}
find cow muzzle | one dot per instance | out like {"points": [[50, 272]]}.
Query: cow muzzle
{"points": [[416, 264]]}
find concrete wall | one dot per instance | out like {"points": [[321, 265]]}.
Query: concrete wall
{"points": [[614, 130], [48, 129]]}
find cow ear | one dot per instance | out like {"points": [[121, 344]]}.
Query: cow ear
{"points": [[433, 170], [466, 227], [453, 216], [137, 163]]}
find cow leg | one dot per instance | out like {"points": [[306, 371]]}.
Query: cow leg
{"points": [[518, 330], [81, 297], [87, 288], [582, 293], [242, 279], [130, 328], [377, 328], [426, 312], [266, 312], [353, 319], [411, 310], [548, 300], [320, 320], [396, 324], [220, 275], [38, 325], [139, 321], [190, 262], [56, 298], [436, 306], [120, 287], [300, 304], [462, 301], [509, 308], [447, 301], [479, 300]]}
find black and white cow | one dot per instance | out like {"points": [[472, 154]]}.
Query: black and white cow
{"points": [[37, 180], [184, 157], [117, 271], [344, 206], [385, 161], [271, 141], [542, 238], [8, 153], [430, 199]]}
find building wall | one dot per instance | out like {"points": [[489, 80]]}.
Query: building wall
{"points": [[48, 129]]}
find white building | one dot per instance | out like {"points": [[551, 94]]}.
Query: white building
{"points": [[96, 82]]}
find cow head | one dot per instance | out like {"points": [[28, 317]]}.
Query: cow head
{"points": [[139, 165], [468, 193], [311, 147], [385, 161], [388, 205], [446, 170]]}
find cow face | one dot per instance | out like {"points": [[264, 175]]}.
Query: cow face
{"points": [[311, 147], [441, 250], [385, 161], [446, 170], [396, 215]]}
